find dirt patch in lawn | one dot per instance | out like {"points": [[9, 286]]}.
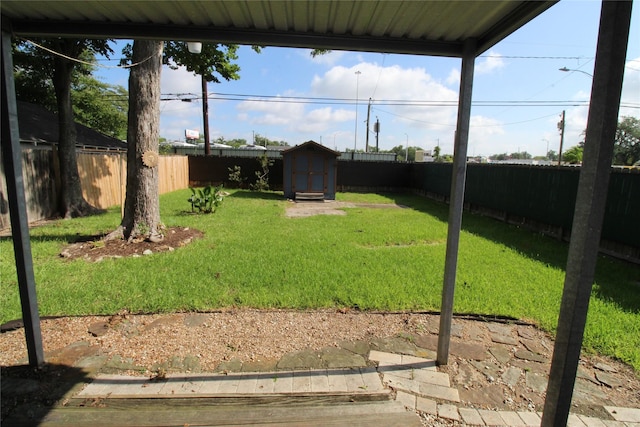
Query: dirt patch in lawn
{"points": [[95, 248]]}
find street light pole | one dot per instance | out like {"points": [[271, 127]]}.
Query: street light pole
{"points": [[355, 137], [565, 69], [406, 156]]}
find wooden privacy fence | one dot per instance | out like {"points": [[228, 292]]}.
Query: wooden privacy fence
{"points": [[102, 175]]}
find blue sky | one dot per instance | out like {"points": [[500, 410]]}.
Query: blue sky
{"points": [[522, 69]]}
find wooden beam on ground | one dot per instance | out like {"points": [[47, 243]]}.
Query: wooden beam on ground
{"points": [[12, 161], [456, 203], [602, 122]]}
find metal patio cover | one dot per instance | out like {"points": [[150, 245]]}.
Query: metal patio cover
{"points": [[437, 28]]}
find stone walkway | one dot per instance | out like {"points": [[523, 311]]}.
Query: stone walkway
{"points": [[497, 376], [416, 382]]}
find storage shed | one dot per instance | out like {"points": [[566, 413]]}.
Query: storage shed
{"points": [[310, 172]]}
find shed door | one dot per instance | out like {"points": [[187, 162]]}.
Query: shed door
{"points": [[309, 173]]}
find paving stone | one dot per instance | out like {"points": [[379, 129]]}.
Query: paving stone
{"points": [[260, 366], [526, 332], [233, 365], [71, 354], [627, 415], [456, 348], [449, 412], [491, 395], [468, 375], [117, 363], [471, 416], [531, 356], [533, 346], [511, 418], [501, 353], [407, 399], [476, 331], [500, 328], [605, 368], [400, 383], [610, 423], [426, 405], [587, 387], [511, 376], [489, 369], [608, 379], [491, 418], [195, 320], [305, 359], [394, 345], [503, 339], [439, 392], [456, 329], [468, 351], [98, 329], [340, 358], [591, 421], [385, 358], [358, 347], [586, 375], [575, 421], [162, 322], [530, 418], [537, 383]]}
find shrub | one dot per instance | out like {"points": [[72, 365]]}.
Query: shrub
{"points": [[207, 199]]}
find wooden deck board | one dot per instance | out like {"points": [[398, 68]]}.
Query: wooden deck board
{"points": [[354, 414]]}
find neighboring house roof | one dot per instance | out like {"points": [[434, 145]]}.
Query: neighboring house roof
{"points": [[311, 143], [39, 125]]}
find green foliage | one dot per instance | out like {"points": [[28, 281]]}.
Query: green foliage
{"points": [[627, 147], [215, 61], [235, 176], [573, 155], [262, 176], [97, 105], [206, 200]]}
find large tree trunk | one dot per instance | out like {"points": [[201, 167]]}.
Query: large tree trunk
{"points": [[72, 202], [142, 203]]}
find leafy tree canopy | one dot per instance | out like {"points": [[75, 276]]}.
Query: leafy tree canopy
{"points": [[627, 147]]}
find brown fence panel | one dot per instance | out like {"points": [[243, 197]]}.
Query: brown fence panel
{"points": [[173, 173], [103, 178], [39, 183]]}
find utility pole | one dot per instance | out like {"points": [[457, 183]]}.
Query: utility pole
{"points": [[376, 129], [561, 128], [366, 149], [205, 116]]}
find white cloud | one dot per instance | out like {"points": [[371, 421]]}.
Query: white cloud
{"points": [[392, 83], [453, 79], [493, 61], [631, 88]]}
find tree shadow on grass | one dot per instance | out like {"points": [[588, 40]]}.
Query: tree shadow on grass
{"points": [[258, 195], [614, 278]]}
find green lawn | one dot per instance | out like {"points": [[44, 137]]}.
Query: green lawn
{"points": [[374, 259]]}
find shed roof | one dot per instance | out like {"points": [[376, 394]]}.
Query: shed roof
{"points": [[308, 144], [437, 28]]}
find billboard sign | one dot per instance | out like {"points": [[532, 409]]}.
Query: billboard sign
{"points": [[191, 134]]}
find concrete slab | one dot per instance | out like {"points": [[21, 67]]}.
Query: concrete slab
{"points": [[630, 415], [426, 405], [471, 416], [530, 418], [491, 418], [449, 412], [512, 418]]}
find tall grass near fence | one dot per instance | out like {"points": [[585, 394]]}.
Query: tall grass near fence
{"points": [[252, 255]]}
